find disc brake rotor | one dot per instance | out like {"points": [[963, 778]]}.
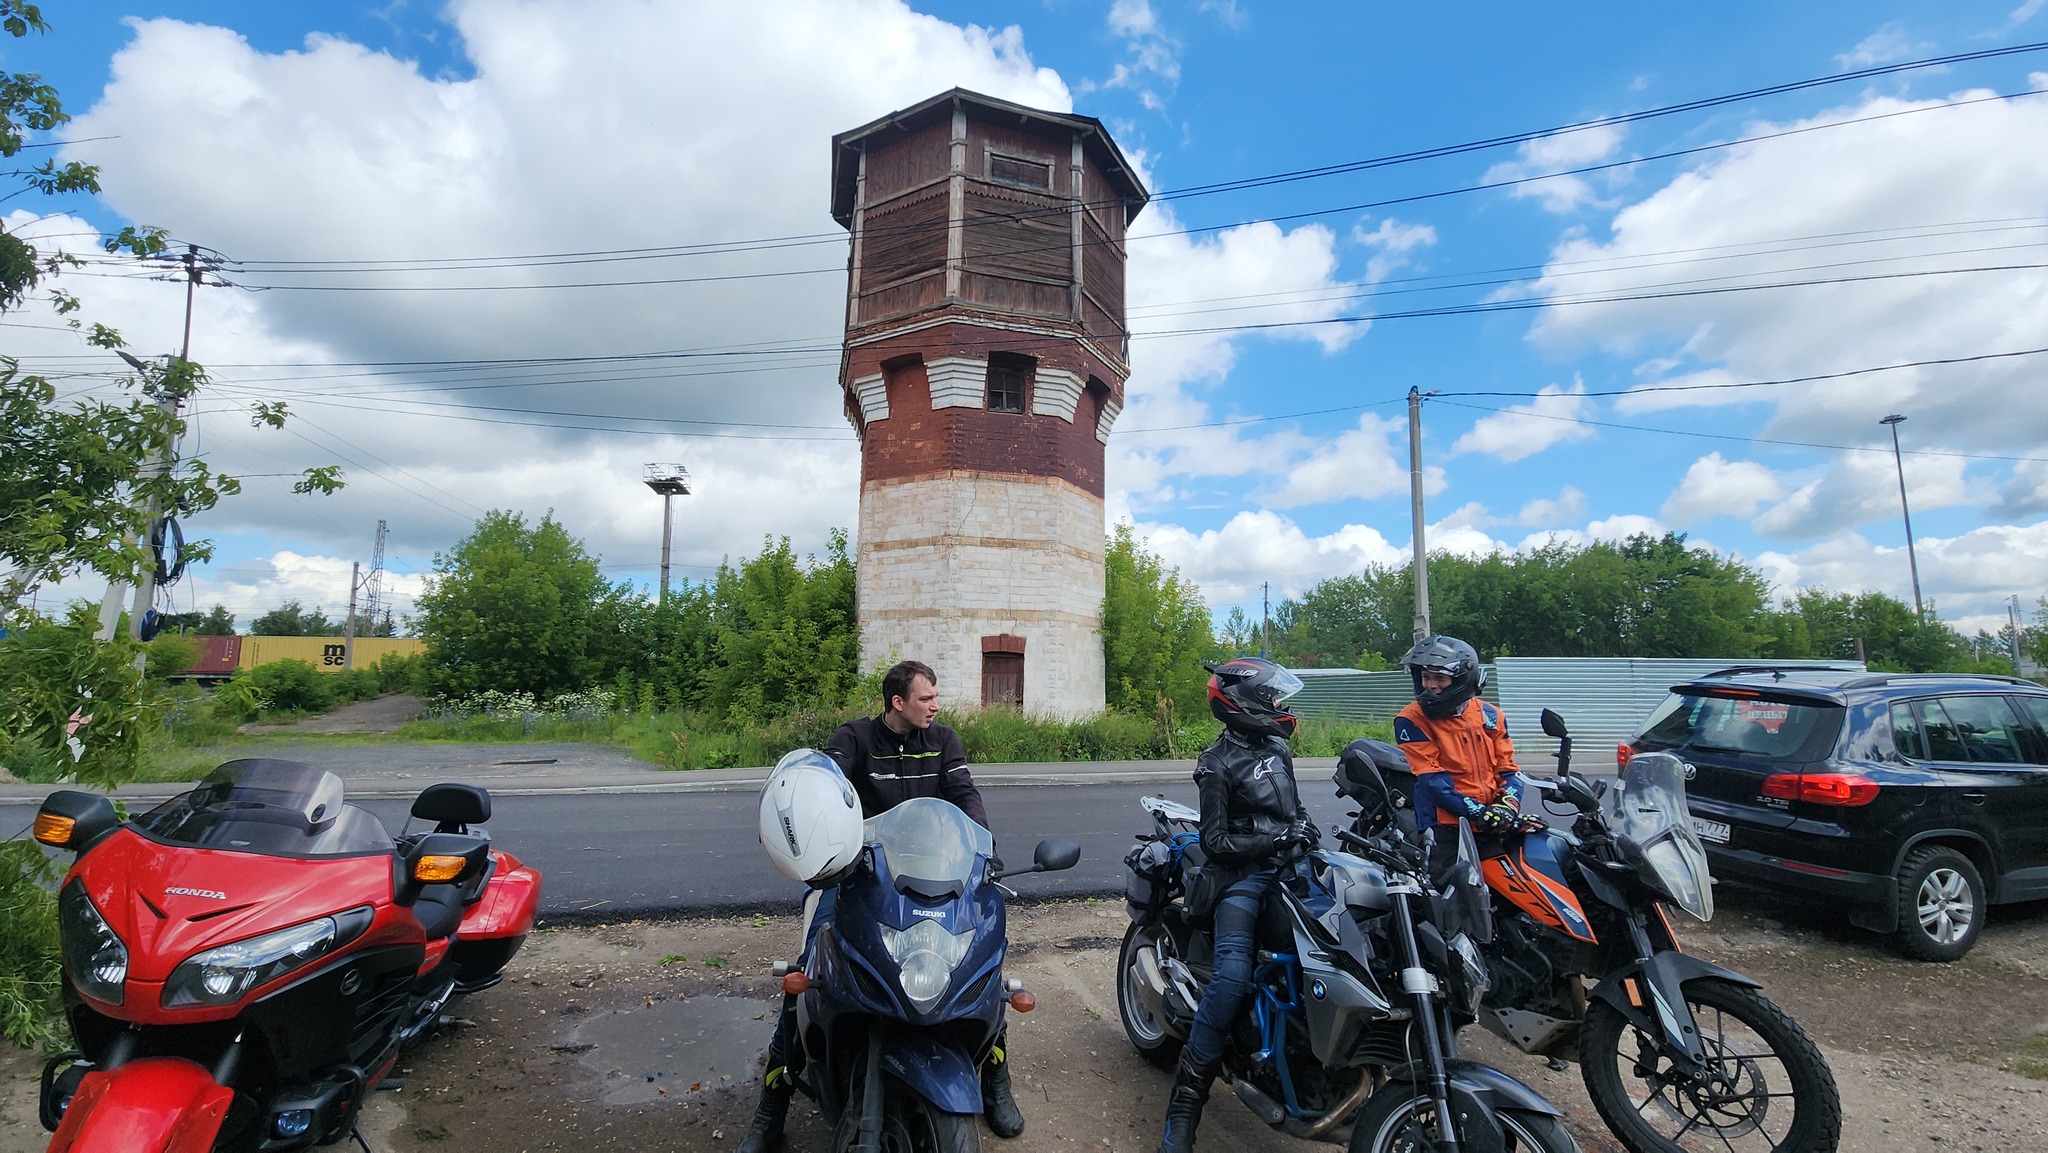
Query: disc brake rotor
{"points": [[1731, 1100]]}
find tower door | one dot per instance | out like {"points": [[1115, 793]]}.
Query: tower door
{"points": [[1002, 680]]}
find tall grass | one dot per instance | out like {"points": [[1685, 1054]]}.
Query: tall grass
{"points": [[689, 740]]}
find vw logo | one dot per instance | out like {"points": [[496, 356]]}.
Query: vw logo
{"points": [[1691, 770], [1317, 990]]}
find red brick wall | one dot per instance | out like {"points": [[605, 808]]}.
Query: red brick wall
{"points": [[917, 440]]}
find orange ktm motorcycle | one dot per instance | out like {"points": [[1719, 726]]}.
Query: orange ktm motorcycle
{"points": [[1677, 1053]]}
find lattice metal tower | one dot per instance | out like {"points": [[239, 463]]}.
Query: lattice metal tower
{"points": [[373, 584]]}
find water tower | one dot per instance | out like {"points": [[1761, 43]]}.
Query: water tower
{"points": [[985, 357]]}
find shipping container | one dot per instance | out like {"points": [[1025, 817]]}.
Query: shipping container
{"points": [[220, 657]]}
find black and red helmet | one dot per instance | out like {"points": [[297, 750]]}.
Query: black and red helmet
{"points": [[1248, 695]]}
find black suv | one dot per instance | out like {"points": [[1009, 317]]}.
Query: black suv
{"points": [[1913, 801]]}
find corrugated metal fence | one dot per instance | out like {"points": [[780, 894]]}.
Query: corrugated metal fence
{"points": [[1602, 699]]}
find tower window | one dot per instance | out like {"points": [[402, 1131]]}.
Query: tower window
{"points": [[1009, 375], [1014, 170]]}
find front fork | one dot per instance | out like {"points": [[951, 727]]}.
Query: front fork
{"points": [[1421, 989]]}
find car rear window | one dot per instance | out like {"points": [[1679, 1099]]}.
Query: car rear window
{"points": [[1778, 730]]}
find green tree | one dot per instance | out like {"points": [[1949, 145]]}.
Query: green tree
{"points": [[784, 633], [513, 608], [292, 619], [1155, 631]]}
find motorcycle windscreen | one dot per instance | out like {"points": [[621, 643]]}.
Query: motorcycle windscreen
{"points": [[930, 845], [1656, 832], [267, 806]]}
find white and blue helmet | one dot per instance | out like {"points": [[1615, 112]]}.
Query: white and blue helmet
{"points": [[810, 818]]}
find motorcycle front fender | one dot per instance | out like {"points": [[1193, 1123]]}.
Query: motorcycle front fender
{"points": [[1479, 1092], [1658, 1006], [157, 1103], [940, 1073]]}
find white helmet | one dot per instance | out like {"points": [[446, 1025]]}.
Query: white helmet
{"points": [[810, 818]]}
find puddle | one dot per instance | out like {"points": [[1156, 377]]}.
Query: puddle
{"points": [[675, 1048]]}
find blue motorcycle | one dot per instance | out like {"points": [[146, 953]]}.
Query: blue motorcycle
{"points": [[902, 996]]}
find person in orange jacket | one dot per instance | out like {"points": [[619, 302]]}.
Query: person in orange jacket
{"points": [[1456, 744]]}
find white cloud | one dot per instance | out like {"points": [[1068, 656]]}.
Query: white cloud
{"points": [[1715, 487], [1862, 488], [1968, 575], [2026, 494], [1569, 504], [1361, 463], [1883, 46], [577, 127], [1523, 430], [1559, 153], [1392, 241], [1252, 547], [1133, 18], [1153, 67]]}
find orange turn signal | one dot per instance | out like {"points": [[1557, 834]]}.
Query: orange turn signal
{"points": [[436, 868], [53, 830], [1023, 1001], [795, 983]]}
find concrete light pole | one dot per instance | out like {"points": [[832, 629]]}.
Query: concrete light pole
{"points": [[1912, 561], [671, 481], [1415, 498]]}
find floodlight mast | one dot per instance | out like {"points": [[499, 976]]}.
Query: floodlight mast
{"points": [[671, 481]]}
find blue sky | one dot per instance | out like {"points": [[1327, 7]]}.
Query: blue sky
{"points": [[331, 132]]}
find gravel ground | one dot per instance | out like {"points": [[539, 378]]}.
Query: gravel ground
{"points": [[1923, 1054]]}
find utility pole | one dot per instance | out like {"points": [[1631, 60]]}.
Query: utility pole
{"points": [[671, 481], [2012, 617], [1912, 562], [166, 458], [1265, 614], [1415, 498], [348, 635]]}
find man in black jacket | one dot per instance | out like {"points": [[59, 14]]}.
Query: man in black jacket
{"points": [[889, 759]]}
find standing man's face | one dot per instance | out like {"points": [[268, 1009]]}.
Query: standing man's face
{"points": [[917, 709]]}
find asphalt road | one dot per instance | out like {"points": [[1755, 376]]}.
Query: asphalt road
{"points": [[606, 856]]}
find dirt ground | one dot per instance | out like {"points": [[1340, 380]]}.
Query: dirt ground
{"points": [[1925, 1055], [377, 715]]}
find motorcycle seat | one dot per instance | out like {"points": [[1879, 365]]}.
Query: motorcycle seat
{"points": [[439, 909]]}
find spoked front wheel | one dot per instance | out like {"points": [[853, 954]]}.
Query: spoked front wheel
{"points": [[1400, 1118], [1766, 1088]]}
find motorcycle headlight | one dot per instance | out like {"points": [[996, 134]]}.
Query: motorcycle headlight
{"points": [[1472, 979], [97, 959], [926, 955], [1677, 867], [222, 975]]}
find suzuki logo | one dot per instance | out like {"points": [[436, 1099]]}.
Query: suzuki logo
{"points": [[209, 894], [939, 913], [351, 981]]}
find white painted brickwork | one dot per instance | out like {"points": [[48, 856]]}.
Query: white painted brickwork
{"points": [[1055, 392], [873, 392], [944, 561], [957, 381], [1110, 409]]}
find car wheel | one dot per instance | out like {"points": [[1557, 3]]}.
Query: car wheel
{"points": [[1941, 904]]}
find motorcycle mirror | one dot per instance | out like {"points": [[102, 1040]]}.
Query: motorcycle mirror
{"points": [[1553, 725], [74, 820], [1052, 856]]}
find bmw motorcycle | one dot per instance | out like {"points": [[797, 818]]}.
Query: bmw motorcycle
{"points": [[1365, 970], [902, 995], [245, 962], [1677, 1053]]}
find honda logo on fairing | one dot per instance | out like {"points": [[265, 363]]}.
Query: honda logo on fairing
{"points": [[209, 894]]}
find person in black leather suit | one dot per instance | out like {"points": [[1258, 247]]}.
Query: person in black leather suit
{"points": [[1252, 819]]}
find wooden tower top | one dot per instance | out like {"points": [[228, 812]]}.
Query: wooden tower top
{"points": [[987, 211]]}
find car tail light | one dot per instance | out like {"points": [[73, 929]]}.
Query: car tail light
{"points": [[1843, 789], [1622, 752]]}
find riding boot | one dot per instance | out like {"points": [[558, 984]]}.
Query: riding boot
{"points": [[1191, 1082], [765, 1133], [998, 1104]]}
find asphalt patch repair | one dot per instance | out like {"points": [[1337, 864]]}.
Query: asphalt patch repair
{"points": [[1927, 1056]]}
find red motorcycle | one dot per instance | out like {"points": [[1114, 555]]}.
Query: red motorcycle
{"points": [[244, 963]]}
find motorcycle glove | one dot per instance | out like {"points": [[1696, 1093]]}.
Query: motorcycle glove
{"points": [[1496, 817]]}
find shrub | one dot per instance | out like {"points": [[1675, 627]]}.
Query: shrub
{"points": [[238, 701], [353, 684], [169, 655], [399, 673], [291, 686], [28, 943]]}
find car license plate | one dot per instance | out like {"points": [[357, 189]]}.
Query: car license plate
{"points": [[1715, 831]]}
